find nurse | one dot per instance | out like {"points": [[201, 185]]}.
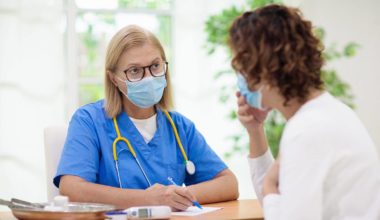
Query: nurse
{"points": [[124, 149], [328, 166]]}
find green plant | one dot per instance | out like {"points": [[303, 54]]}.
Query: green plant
{"points": [[217, 27]]}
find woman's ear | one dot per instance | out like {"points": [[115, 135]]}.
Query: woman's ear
{"points": [[112, 77]]}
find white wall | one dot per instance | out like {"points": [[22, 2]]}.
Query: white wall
{"points": [[31, 92]]}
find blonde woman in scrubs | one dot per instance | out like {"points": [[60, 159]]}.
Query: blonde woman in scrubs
{"points": [[328, 166], [93, 168]]}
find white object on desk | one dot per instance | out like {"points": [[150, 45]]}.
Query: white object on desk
{"points": [[193, 211], [59, 204], [149, 212], [61, 201]]}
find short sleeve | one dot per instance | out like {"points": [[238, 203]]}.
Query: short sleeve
{"points": [[207, 162], [80, 155]]}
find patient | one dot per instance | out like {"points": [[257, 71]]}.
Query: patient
{"points": [[329, 168]]}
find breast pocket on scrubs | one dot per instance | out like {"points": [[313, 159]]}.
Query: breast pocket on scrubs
{"points": [[177, 172]]}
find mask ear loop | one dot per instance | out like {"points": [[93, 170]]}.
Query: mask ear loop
{"points": [[260, 90], [124, 81]]}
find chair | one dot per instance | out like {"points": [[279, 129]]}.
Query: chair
{"points": [[54, 139]]}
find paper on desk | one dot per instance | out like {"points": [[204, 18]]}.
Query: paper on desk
{"points": [[192, 211]]}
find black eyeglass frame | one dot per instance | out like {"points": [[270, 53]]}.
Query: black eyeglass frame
{"points": [[149, 67]]}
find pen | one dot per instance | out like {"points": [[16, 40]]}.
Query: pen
{"points": [[194, 202], [117, 213]]}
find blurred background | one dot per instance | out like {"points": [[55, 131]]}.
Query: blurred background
{"points": [[52, 61]]}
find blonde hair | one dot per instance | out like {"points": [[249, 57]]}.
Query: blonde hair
{"points": [[129, 37]]}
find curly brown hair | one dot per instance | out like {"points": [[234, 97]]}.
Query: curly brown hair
{"points": [[276, 44]]}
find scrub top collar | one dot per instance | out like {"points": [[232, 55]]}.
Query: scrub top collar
{"points": [[129, 130]]}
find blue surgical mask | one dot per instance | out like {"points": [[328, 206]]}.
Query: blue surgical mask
{"points": [[146, 92], [253, 98]]}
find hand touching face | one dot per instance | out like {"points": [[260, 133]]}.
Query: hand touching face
{"points": [[250, 117]]}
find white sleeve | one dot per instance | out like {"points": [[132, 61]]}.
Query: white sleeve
{"points": [[303, 167], [258, 168], [271, 203]]}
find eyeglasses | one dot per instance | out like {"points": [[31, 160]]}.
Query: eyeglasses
{"points": [[135, 74]]}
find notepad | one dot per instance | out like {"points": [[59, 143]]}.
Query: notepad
{"points": [[193, 211]]}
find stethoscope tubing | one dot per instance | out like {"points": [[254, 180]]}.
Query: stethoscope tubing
{"points": [[118, 173], [143, 171], [120, 138]]}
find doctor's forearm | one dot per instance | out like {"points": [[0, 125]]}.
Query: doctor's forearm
{"points": [[224, 187], [79, 190]]}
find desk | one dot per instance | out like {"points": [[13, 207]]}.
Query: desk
{"points": [[240, 209]]}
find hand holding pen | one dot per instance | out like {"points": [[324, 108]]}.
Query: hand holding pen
{"points": [[195, 203], [178, 198]]}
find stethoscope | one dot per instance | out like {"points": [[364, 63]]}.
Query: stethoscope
{"points": [[190, 167]]}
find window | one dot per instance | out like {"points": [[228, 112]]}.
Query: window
{"points": [[90, 26]]}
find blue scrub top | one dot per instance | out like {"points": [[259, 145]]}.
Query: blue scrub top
{"points": [[88, 151]]}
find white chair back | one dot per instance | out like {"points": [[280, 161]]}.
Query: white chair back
{"points": [[54, 139]]}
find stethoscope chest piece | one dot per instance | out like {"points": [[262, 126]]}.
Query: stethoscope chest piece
{"points": [[190, 167]]}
